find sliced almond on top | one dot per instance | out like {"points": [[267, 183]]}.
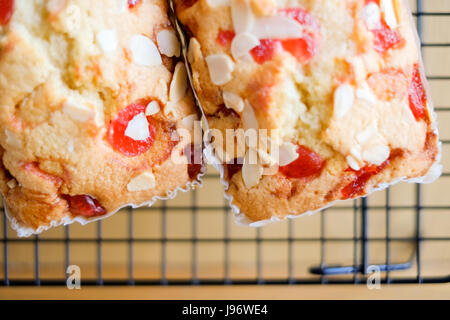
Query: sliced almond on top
{"points": [[12, 183], [170, 108], [78, 111], [353, 163], [277, 27], [218, 3], [107, 40], [193, 49], [144, 181], [55, 6], [376, 155], [220, 68], [179, 83], [344, 97], [137, 128], [367, 134], [144, 51], [242, 16], [248, 117], [371, 15], [242, 44], [168, 43], [233, 101], [387, 7], [188, 121], [287, 154], [356, 152], [12, 138], [252, 171], [152, 108], [266, 158], [366, 94]]}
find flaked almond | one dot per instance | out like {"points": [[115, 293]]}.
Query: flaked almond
{"points": [[12, 183], [366, 94], [188, 121], [356, 152], [388, 10], [344, 98], [359, 68], [171, 108], [55, 6], [218, 3], [287, 154], [121, 5], [107, 40], [168, 43], [12, 138], [152, 108], [353, 163], [194, 47], [277, 27], [144, 181], [242, 16], [252, 171], [249, 120], [99, 117], [220, 68], [233, 101], [266, 158], [144, 51], [137, 128], [376, 155], [78, 111], [371, 15], [179, 83], [367, 134], [242, 44]]}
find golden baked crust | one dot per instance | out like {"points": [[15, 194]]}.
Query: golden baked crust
{"points": [[67, 71], [348, 91]]}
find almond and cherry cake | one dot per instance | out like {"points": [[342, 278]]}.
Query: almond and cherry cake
{"points": [[339, 81], [93, 97]]}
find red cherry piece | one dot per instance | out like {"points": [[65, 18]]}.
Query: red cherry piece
{"points": [[302, 16], [225, 37], [234, 167], [302, 49], [133, 3], [124, 144], [195, 158], [309, 163], [385, 38], [84, 205], [357, 186], [266, 50], [417, 95], [6, 11]]}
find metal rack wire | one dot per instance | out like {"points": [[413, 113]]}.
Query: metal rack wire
{"points": [[359, 240]]}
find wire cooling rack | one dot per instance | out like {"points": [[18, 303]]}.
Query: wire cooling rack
{"points": [[403, 232]]}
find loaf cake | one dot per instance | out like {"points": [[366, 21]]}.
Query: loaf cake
{"points": [[336, 85], [94, 96]]}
